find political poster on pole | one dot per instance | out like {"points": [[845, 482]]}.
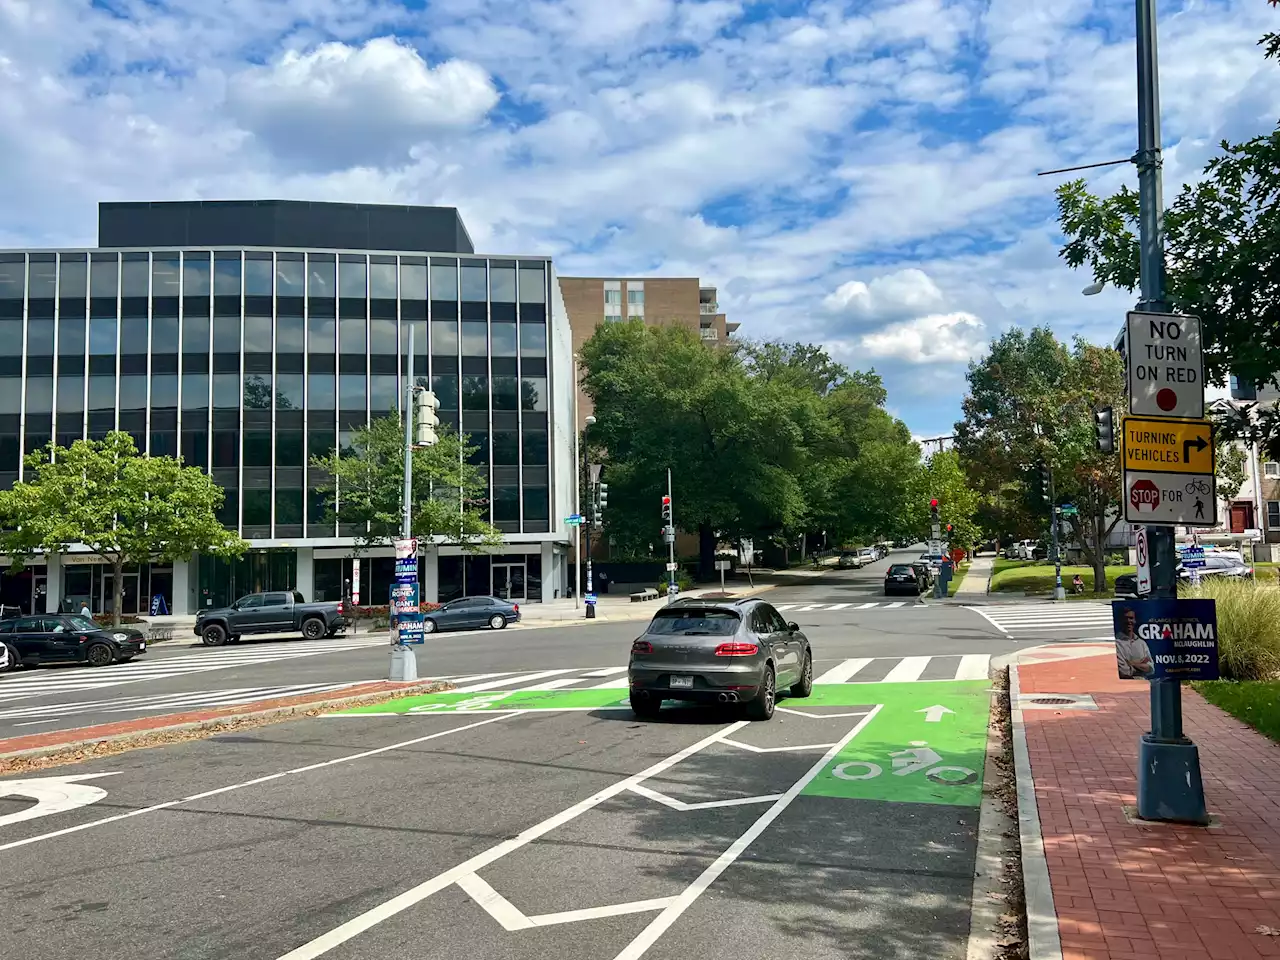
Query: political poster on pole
{"points": [[1166, 639]]}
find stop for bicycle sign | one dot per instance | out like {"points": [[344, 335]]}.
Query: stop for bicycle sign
{"points": [[1170, 498]]}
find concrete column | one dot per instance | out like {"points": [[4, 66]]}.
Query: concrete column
{"points": [[180, 604], [553, 576], [429, 574], [53, 584], [306, 579]]}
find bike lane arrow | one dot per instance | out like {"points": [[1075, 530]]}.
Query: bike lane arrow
{"points": [[935, 713], [52, 795]]}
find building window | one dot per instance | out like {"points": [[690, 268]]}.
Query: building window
{"points": [[1271, 470], [635, 299], [1273, 514]]}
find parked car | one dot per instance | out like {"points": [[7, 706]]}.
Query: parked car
{"points": [[724, 652], [277, 611], [848, 561], [1215, 565], [934, 560], [67, 638], [472, 612], [868, 555], [904, 578]]}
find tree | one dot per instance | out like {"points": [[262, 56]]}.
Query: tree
{"points": [[125, 507], [941, 477], [364, 487], [1031, 401], [1221, 250], [1231, 470]]}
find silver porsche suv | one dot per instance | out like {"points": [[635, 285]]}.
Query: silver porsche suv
{"points": [[719, 652]]}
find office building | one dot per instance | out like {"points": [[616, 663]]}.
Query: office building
{"points": [[250, 337]]}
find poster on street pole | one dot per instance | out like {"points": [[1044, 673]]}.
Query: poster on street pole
{"points": [[1166, 639]]}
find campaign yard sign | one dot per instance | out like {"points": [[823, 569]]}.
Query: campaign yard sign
{"points": [[1166, 639]]}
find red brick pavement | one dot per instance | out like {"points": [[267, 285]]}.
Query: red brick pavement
{"points": [[1122, 890], [77, 735]]}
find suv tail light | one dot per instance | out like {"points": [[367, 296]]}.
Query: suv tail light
{"points": [[737, 650], [516, 606], [642, 646], [342, 607]]}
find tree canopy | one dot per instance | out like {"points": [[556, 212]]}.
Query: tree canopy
{"points": [[126, 507], [766, 441], [1031, 400], [364, 487]]}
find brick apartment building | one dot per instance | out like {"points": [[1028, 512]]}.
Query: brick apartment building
{"points": [[591, 301]]}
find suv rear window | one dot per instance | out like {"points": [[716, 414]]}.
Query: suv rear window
{"points": [[902, 568], [692, 622]]}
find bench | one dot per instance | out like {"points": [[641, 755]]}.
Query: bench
{"points": [[648, 593]]}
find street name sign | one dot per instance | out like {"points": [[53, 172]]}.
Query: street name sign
{"points": [[574, 521], [1165, 365], [1168, 446]]}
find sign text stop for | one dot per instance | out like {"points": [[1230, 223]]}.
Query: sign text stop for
{"points": [[1165, 365]]}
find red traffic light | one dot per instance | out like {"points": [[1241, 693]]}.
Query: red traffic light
{"points": [[666, 501], [933, 502], [949, 528]]}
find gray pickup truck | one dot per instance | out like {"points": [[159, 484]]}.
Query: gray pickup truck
{"points": [[274, 612]]}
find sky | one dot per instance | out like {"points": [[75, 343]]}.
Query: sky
{"points": [[856, 174]]}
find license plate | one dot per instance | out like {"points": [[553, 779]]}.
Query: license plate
{"points": [[677, 682], [142, 647]]}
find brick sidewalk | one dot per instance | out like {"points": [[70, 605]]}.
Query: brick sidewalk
{"points": [[1125, 890]]}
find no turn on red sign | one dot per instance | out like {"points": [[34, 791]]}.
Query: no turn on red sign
{"points": [[1165, 365]]}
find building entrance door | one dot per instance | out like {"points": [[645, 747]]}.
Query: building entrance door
{"points": [[509, 581]]}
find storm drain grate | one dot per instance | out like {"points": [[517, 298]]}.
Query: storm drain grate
{"points": [[1057, 701], [1052, 701]]}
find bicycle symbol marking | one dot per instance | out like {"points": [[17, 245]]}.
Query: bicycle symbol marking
{"points": [[1202, 487], [921, 757], [472, 703]]}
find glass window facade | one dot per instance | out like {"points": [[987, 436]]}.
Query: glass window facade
{"points": [[248, 364]]}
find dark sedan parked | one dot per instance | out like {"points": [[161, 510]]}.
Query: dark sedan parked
{"points": [[471, 612], [904, 578], [68, 638], [719, 652]]}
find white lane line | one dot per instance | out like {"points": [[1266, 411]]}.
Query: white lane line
{"points": [[249, 783], [987, 617], [786, 606], [34, 723], [843, 671], [494, 903], [415, 895], [475, 677], [675, 804], [908, 670], [867, 606], [595, 913], [663, 921], [608, 672], [754, 749], [510, 681], [840, 606], [557, 684], [974, 666], [895, 605], [618, 683]]}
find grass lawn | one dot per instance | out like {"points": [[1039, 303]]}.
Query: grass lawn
{"points": [[957, 578], [1256, 703], [1036, 577]]}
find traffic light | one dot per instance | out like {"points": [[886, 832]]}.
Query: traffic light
{"points": [[933, 509], [1104, 429], [666, 510], [602, 501], [950, 528], [1044, 481], [426, 405]]}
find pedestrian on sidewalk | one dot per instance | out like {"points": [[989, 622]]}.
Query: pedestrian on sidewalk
{"points": [[84, 609]]}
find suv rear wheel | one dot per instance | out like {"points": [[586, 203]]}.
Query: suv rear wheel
{"points": [[761, 707]]}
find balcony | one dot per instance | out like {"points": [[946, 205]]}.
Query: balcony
{"points": [[709, 308], [709, 333]]}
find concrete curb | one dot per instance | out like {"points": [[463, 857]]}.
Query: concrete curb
{"points": [[208, 723], [1043, 941], [993, 824]]}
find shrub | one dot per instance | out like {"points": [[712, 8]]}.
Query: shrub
{"points": [[1248, 627]]}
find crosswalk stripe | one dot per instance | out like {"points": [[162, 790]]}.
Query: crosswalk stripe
{"points": [[511, 681], [609, 672], [974, 666], [844, 670], [868, 606], [171, 701], [617, 683], [562, 682], [899, 603], [786, 606], [839, 606], [908, 670]]}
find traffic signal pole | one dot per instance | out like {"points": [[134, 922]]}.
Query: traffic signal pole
{"points": [[1169, 781], [1059, 592], [672, 585]]}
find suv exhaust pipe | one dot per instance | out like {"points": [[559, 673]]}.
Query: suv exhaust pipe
{"points": [[727, 697]]}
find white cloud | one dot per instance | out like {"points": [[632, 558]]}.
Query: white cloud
{"points": [[936, 338], [339, 106], [907, 292]]}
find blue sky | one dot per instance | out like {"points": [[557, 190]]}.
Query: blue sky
{"points": [[861, 175]]}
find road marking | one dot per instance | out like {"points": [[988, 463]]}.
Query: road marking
{"points": [[908, 670], [786, 606], [663, 921], [935, 713], [675, 804], [867, 606], [168, 701], [607, 672], [249, 783], [512, 918], [51, 795], [415, 895], [619, 683], [839, 606], [974, 666], [896, 604], [557, 684], [755, 749], [843, 671], [510, 681]]}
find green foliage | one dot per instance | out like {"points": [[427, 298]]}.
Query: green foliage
{"points": [[126, 507], [766, 441], [942, 478], [1031, 400], [1257, 704], [364, 485], [1231, 470], [1248, 627]]}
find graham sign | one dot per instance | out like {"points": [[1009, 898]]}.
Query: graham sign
{"points": [[1166, 369], [1166, 639]]}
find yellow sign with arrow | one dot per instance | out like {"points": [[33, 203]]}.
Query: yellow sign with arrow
{"points": [[1168, 446]]}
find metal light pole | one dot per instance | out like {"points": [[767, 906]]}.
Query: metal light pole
{"points": [[1169, 781], [672, 585], [577, 491], [1059, 592], [404, 662]]}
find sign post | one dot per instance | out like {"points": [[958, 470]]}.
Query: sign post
{"points": [[722, 566]]}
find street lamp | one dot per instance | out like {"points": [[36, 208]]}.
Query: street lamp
{"points": [[1093, 289]]}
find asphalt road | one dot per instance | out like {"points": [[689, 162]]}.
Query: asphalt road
{"points": [[553, 833], [844, 613]]}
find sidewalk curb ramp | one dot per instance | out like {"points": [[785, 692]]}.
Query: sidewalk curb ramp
{"points": [[279, 708]]}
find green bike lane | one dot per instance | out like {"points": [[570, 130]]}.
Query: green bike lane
{"points": [[567, 830]]}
